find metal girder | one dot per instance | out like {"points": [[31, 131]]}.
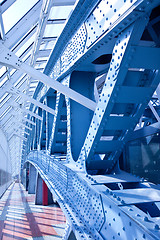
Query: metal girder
{"points": [[23, 26], [8, 121], [16, 130], [14, 90], [31, 113], [44, 53], [81, 11], [6, 4], [13, 123], [56, 122], [113, 99], [43, 133], [154, 111], [106, 29], [45, 10], [14, 126], [10, 59], [63, 2], [25, 38], [2, 26], [100, 207], [28, 120], [14, 134], [22, 109], [144, 132], [13, 79], [56, 21]]}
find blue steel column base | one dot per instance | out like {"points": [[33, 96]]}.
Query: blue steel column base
{"points": [[39, 191], [32, 179]]}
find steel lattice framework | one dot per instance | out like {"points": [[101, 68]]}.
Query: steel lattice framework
{"points": [[91, 97]]}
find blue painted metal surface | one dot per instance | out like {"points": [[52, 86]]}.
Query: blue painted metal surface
{"points": [[99, 200], [116, 206]]}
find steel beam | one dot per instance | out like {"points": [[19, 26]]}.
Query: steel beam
{"points": [[14, 90], [45, 10], [117, 206], [2, 26], [10, 59], [154, 111]]}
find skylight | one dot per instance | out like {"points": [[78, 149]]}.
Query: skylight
{"points": [[26, 45], [3, 81], [15, 12], [60, 12], [53, 30]]}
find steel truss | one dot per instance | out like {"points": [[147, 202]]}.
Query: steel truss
{"points": [[84, 132]]}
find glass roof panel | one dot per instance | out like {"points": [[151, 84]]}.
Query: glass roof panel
{"points": [[3, 81], [40, 65], [20, 79], [7, 110], [2, 70], [27, 56], [12, 71], [15, 12], [60, 12], [53, 30], [47, 45], [26, 45], [3, 97], [42, 58]]}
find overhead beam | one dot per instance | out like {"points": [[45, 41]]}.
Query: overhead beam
{"points": [[154, 111], [28, 120], [2, 26], [31, 113], [6, 5], [17, 130], [14, 90], [11, 60], [59, 3], [56, 21], [23, 27], [20, 124], [23, 110], [14, 134], [45, 10]]}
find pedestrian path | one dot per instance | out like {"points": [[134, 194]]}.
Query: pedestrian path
{"points": [[21, 219]]}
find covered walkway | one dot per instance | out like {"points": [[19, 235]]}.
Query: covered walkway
{"points": [[21, 219]]}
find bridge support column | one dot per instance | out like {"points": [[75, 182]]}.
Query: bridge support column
{"points": [[24, 179], [39, 190], [43, 194], [47, 195], [32, 179]]}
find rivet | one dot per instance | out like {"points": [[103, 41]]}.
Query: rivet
{"points": [[146, 219], [156, 227]]}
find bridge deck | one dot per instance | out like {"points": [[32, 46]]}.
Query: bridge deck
{"points": [[21, 219]]}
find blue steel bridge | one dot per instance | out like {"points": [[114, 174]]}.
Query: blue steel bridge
{"points": [[80, 112]]}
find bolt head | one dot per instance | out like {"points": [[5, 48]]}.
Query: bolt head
{"points": [[156, 227]]}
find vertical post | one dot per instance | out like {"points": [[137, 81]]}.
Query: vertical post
{"points": [[45, 194], [39, 191], [32, 179], [80, 117]]}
